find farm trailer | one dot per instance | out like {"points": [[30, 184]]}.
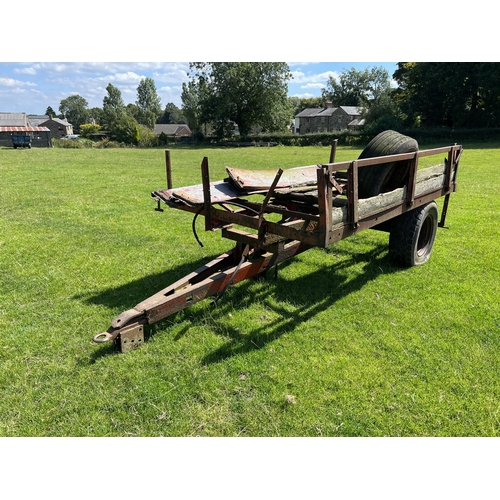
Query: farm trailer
{"points": [[273, 216], [21, 141]]}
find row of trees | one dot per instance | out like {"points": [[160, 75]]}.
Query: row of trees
{"points": [[125, 123], [449, 94], [253, 95], [419, 94]]}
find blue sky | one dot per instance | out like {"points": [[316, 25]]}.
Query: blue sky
{"points": [[213, 31], [33, 86]]}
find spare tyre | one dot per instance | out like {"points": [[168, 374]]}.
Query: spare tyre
{"points": [[385, 177]]}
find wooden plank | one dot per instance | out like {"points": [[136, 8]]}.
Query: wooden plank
{"points": [[251, 180]]}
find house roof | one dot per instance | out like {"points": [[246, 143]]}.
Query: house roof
{"points": [[352, 110], [13, 119], [315, 112], [312, 112], [171, 128], [24, 129], [57, 120], [35, 120]]}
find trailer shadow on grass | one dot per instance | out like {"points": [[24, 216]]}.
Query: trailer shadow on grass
{"points": [[294, 301], [307, 295]]}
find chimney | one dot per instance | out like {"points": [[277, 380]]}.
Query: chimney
{"points": [[328, 104]]}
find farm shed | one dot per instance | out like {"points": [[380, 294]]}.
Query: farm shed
{"points": [[327, 119], [19, 124], [40, 136]]}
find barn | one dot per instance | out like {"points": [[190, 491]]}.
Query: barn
{"points": [[18, 124]]}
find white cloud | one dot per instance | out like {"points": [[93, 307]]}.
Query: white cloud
{"points": [[10, 82], [301, 77], [313, 86], [300, 64], [170, 94], [305, 95], [25, 71]]}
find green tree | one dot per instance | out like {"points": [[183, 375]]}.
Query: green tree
{"points": [[133, 110], [148, 102], [117, 120], [449, 94], [96, 115], [246, 93], [172, 114], [300, 103], [74, 108], [191, 96], [126, 130], [356, 87], [381, 111], [382, 114], [113, 107], [87, 129], [50, 112], [137, 134]]}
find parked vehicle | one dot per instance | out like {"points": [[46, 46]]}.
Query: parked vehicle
{"points": [[72, 137], [21, 141]]}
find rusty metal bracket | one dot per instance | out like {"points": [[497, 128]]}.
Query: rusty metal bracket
{"points": [[120, 324], [158, 206], [265, 203], [452, 163], [335, 184], [131, 337], [244, 255]]}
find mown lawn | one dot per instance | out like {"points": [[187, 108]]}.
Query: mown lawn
{"points": [[341, 344]]}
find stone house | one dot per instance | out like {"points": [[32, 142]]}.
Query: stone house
{"points": [[327, 119], [58, 127]]}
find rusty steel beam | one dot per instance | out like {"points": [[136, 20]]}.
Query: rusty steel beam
{"points": [[207, 281]]}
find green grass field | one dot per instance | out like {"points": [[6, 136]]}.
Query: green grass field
{"points": [[341, 344]]}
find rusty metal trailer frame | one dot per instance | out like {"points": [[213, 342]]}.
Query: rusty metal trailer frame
{"points": [[266, 243]]}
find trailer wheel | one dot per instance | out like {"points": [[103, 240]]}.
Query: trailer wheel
{"points": [[387, 176], [412, 236]]}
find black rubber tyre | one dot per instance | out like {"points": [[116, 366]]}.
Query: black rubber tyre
{"points": [[412, 236], [388, 176]]}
